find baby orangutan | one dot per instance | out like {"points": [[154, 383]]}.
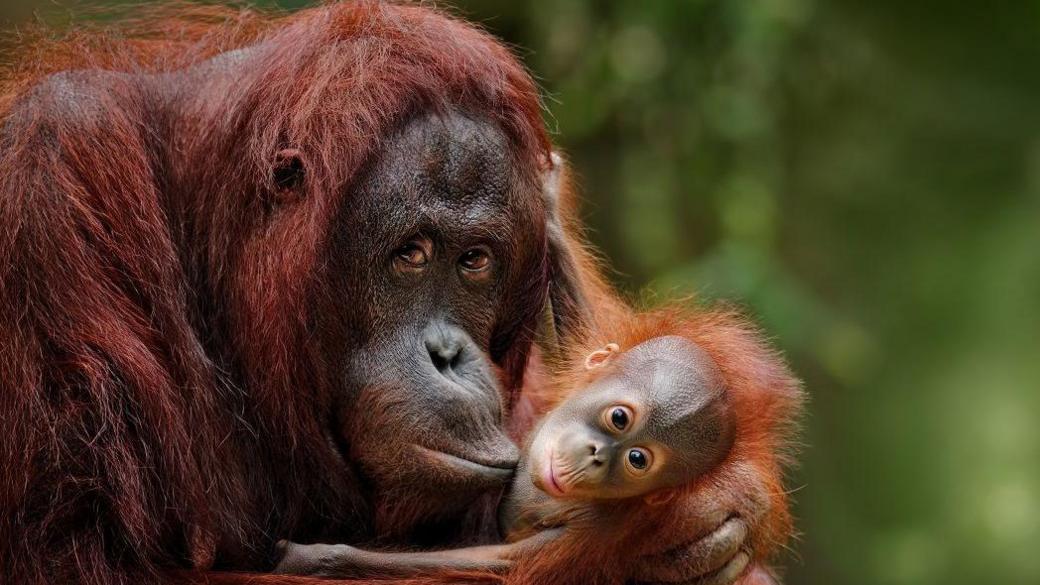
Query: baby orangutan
{"points": [[654, 417], [635, 428]]}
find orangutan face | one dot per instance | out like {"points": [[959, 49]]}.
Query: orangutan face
{"points": [[436, 258], [657, 416]]}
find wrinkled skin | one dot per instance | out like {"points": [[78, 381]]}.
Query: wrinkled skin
{"points": [[439, 239]]}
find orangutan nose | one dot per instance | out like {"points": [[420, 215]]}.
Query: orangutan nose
{"points": [[446, 345], [597, 453]]}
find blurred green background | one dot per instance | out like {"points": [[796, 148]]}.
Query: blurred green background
{"points": [[865, 178]]}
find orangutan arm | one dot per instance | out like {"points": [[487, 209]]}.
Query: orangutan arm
{"points": [[579, 295], [348, 562]]}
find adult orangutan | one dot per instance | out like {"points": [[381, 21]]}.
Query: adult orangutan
{"points": [[275, 277]]}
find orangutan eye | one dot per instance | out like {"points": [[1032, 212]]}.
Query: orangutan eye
{"points": [[619, 417], [414, 255], [475, 260], [638, 460]]}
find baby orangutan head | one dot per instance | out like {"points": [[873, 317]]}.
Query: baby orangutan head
{"points": [[655, 416]]}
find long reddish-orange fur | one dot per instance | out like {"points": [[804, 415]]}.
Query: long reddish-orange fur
{"points": [[157, 391]]}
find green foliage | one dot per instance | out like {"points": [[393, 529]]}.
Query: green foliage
{"points": [[865, 179]]}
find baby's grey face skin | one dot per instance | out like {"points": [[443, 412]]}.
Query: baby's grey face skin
{"points": [[660, 418]]}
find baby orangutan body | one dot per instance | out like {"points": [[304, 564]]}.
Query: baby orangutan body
{"points": [[640, 423]]}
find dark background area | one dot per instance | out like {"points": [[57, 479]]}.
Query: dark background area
{"points": [[863, 177]]}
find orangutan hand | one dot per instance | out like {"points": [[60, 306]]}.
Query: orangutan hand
{"points": [[718, 558], [723, 521]]}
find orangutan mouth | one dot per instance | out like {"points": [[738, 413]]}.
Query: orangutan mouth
{"points": [[497, 471], [552, 485]]}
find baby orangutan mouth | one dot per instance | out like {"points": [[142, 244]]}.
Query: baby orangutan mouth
{"points": [[547, 481]]}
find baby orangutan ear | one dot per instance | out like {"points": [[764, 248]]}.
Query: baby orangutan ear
{"points": [[287, 176], [659, 497], [601, 356]]}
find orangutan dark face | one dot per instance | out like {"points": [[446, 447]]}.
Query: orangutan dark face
{"points": [[437, 247]]}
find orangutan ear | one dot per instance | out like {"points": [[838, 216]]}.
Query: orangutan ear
{"points": [[601, 356], [287, 175], [659, 497]]}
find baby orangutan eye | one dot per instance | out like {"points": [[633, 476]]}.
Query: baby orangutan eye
{"points": [[638, 460], [619, 417]]}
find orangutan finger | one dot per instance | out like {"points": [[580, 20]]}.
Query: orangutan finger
{"points": [[729, 573], [693, 561]]}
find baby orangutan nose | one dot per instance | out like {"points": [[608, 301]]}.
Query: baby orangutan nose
{"points": [[596, 451], [585, 458]]}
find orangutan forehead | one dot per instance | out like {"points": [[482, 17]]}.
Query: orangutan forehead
{"points": [[453, 157], [676, 378], [669, 359]]}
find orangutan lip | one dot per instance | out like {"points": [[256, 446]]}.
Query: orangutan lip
{"points": [[483, 469], [552, 486]]}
